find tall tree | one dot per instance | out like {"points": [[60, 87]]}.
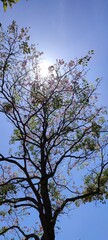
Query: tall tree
{"points": [[58, 156]]}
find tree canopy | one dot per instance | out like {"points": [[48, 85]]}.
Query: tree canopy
{"points": [[58, 154]]}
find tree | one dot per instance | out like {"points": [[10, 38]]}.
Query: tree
{"points": [[58, 137], [8, 2]]}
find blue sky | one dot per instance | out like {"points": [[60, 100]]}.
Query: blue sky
{"points": [[68, 29]]}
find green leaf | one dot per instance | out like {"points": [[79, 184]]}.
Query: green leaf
{"points": [[7, 107], [96, 129], [5, 5], [8, 2]]}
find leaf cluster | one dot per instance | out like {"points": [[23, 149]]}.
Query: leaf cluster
{"points": [[94, 182], [6, 189], [8, 2]]}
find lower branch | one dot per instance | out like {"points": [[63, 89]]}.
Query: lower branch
{"points": [[72, 199], [27, 236]]}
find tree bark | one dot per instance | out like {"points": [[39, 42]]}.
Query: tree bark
{"points": [[48, 234]]}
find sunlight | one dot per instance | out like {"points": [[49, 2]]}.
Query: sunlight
{"points": [[44, 67]]}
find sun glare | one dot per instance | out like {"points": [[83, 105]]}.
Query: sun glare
{"points": [[44, 68]]}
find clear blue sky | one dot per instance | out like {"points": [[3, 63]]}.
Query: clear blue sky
{"points": [[68, 29]]}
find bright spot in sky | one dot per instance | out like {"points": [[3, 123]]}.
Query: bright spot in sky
{"points": [[44, 67]]}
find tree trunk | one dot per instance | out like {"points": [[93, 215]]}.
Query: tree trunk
{"points": [[48, 234], [48, 227]]}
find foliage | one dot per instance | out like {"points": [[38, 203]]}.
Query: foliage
{"points": [[8, 2], [59, 153]]}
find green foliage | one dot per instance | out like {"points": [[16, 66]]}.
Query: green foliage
{"points": [[6, 189], [7, 107], [25, 48], [96, 129], [2, 213], [57, 102], [8, 2], [93, 182], [84, 61], [3, 229], [16, 136], [90, 144], [55, 194]]}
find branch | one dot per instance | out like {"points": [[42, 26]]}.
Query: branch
{"points": [[72, 199], [27, 237], [82, 196], [8, 159], [17, 200], [65, 153]]}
